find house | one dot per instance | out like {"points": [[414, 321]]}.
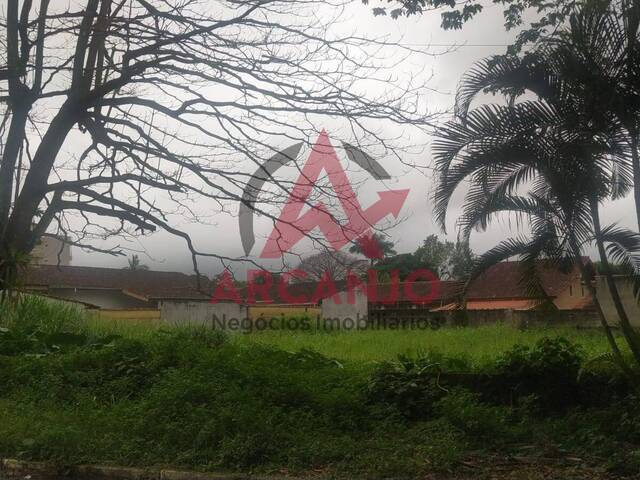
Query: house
{"points": [[113, 289], [499, 294], [496, 295], [501, 287]]}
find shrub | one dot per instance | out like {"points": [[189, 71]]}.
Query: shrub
{"points": [[38, 326], [409, 386], [465, 411], [32, 313], [549, 370]]}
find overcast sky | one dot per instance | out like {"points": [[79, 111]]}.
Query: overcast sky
{"points": [[483, 36]]}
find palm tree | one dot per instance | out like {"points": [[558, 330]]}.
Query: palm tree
{"points": [[135, 265], [557, 208], [374, 247], [550, 146], [593, 66], [600, 57]]}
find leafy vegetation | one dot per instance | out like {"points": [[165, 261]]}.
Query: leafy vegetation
{"points": [[454, 15], [373, 246], [194, 398], [477, 347], [134, 264], [447, 260], [552, 161]]}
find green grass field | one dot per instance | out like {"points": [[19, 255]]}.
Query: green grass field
{"points": [[80, 390], [479, 346]]}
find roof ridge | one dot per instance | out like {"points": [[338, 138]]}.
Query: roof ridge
{"points": [[112, 269]]}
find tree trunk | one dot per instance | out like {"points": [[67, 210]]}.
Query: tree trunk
{"points": [[635, 161], [11, 263], [10, 154], [16, 239], [629, 333], [588, 281], [17, 234], [587, 278]]}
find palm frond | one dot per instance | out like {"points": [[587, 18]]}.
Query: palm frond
{"points": [[623, 248], [521, 247]]}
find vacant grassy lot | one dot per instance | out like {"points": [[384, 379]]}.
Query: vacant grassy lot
{"points": [[76, 390], [479, 346]]}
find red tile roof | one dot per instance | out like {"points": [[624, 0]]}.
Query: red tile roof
{"points": [[504, 281], [438, 291], [500, 282], [147, 283], [500, 286]]}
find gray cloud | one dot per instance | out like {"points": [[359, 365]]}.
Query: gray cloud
{"points": [[483, 36]]}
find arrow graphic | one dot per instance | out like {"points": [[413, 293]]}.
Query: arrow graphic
{"points": [[292, 226]]}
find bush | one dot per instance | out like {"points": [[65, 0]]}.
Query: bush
{"points": [[549, 370], [465, 411], [188, 398], [410, 386], [30, 313], [38, 326]]}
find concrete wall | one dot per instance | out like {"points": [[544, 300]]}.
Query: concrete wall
{"points": [[478, 318], [345, 315], [625, 289], [522, 318], [287, 311], [561, 318], [223, 316]]}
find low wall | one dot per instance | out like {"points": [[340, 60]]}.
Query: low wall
{"points": [[625, 290], [515, 318], [340, 313], [135, 314], [287, 311], [216, 315], [560, 318]]}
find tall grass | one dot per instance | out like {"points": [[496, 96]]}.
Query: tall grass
{"points": [[133, 329], [265, 402], [479, 346], [37, 313]]}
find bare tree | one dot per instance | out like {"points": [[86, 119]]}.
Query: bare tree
{"points": [[120, 116]]}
